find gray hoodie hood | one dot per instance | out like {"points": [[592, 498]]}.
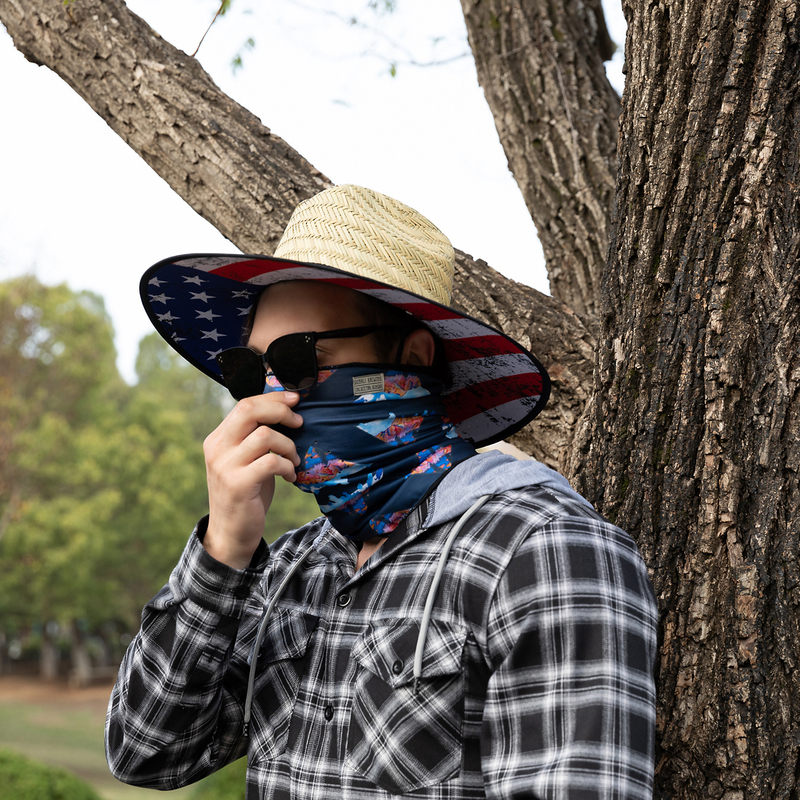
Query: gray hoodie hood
{"points": [[490, 473]]}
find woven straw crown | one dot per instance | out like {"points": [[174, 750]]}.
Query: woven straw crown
{"points": [[373, 236]]}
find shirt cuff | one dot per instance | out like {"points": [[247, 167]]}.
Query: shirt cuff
{"points": [[213, 585]]}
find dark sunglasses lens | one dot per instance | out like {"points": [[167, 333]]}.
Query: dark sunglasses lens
{"points": [[293, 361], [242, 372]]}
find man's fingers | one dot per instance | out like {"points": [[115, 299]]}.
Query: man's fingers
{"points": [[265, 440], [273, 464], [267, 409], [252, 412], [243, 456]]}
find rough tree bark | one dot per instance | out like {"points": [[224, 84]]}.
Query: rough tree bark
{"points": [[540, 63], [246, 181], [693, 437]]}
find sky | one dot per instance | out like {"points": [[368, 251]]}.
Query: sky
{"points": [[78, 206]]}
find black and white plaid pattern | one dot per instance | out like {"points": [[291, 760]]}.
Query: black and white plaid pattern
{"points": [[537, 675]]}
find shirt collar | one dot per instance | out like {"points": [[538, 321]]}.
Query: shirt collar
{"points": [[343, 552]]}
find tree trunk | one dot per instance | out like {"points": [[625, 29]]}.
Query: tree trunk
{"points": [[692, 441], [48, 657], [81, 672], [246, 181], [540, 63]]}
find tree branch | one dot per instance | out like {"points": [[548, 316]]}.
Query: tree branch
{"points": [[550, 330], [556, 116]]}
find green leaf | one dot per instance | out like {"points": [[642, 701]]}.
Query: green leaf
{"points": [[237, 62]]}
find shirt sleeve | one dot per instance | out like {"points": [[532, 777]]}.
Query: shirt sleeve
{"points": [[175, 713], [570, 711]]}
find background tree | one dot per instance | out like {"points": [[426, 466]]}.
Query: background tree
{"points": [[96, 475], [56, 371], [689, 437], [100, 480]]}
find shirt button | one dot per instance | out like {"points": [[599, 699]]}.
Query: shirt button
{"points": [[397, 667], [240, 592], [344, 600], [328, 713]]}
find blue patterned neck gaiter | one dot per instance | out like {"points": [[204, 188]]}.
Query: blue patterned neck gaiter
{"points": [[372, 443]]}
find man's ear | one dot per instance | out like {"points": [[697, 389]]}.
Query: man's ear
{"points": [[419, 348]]}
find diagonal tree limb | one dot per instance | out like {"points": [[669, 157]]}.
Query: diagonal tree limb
{"points": [[540, 63]]}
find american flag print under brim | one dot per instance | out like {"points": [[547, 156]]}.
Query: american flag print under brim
{"points": [[199, 303]]}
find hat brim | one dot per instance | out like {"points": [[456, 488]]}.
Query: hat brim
{"points": [[200, 302]]}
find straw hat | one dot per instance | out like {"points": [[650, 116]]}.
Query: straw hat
{"points": [[362, 240]]}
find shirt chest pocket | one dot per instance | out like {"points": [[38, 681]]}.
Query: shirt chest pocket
{"points": [[281, 663], [404, 736]]}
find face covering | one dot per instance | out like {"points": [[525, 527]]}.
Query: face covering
{"points": [[373, 443]]}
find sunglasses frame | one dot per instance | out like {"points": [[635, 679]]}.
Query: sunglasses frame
{"points": [[241, 373]]}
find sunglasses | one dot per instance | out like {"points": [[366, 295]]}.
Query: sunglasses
{"points": [[292, 359]]}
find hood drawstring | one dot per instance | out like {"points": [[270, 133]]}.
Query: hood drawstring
{"points": [[426, 614], [248, 703], [424, 623]]}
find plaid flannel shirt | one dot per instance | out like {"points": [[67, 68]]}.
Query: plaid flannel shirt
{"points": [[537, 675]]}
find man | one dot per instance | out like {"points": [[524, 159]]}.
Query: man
{"points": [[456, 625]]}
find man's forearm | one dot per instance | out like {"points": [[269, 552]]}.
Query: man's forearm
{"points": [[172, 715]]}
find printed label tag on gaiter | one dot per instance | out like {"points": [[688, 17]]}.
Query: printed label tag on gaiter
{"points": [[368, 384]]}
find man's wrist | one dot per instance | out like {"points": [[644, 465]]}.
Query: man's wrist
{"points": [[213, 585], [227, 550]]}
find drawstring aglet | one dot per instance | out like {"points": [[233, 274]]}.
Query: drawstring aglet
{"points": [[246, 730], [416, 684]]}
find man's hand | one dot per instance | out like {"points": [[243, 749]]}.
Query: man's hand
{"points": [[243, 456]]}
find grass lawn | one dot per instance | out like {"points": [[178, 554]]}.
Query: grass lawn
{"points": [[64, 727]]}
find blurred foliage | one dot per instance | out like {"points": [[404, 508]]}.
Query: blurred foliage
{"points": [[24, 779], [290, 508], [166, 378], [227, 784], [237, 61], [100, 482]]}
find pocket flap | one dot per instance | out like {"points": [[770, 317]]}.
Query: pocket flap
{"points": [[387, 650], [287, 635]]}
